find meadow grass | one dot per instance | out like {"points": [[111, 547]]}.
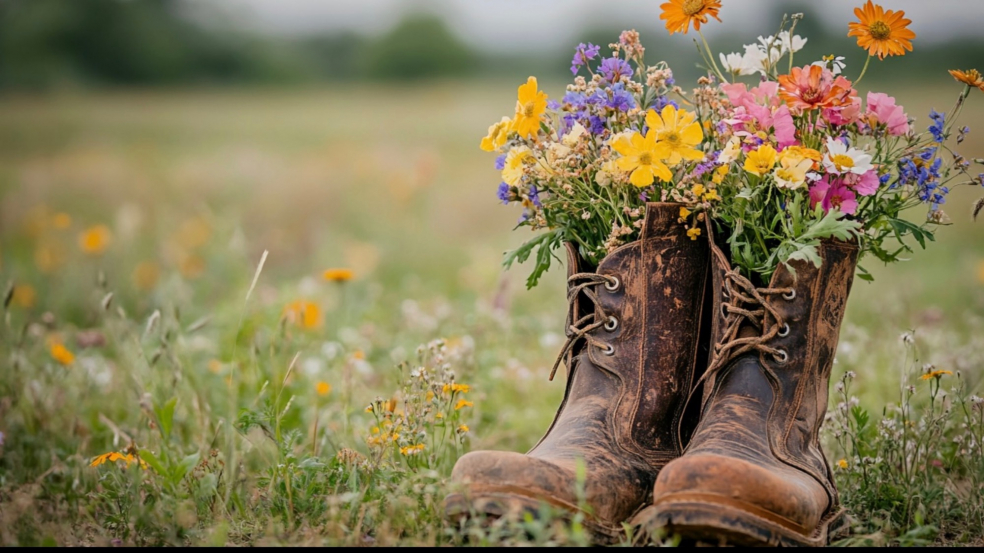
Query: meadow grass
{"points": [[264, 406]]}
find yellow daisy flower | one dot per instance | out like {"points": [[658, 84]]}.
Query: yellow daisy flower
{"points": [[530, 107], [639, 155], [677, 134]]}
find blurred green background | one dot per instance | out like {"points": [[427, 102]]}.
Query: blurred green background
{"points": [[355, 143]]}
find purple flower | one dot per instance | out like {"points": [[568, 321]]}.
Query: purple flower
{"points": [[553, 104], [596, 125], [535, 196], [503, 193], [575, 99], [661, 102], [621, 99], [582, 54], [500, 162], [613, 69]]}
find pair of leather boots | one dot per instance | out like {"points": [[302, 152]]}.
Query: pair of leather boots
{"points": [[694, 399]]}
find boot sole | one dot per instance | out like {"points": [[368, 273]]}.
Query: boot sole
{"points": [[513, 504], [720, 520]]}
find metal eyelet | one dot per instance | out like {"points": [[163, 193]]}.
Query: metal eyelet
{"points": [[785, 331], [612, 324], [781, 357], [613, 284], [610, 350], [790, 296]]}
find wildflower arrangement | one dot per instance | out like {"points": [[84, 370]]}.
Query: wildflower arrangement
{"points": [[773, 166]]}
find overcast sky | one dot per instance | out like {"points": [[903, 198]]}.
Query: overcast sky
{"points": [[512, 25]]}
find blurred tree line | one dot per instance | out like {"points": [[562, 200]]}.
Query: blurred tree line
{"points": [[48, 44]]}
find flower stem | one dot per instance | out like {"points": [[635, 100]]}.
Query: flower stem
{"points": [[863, 70], [710, 55]]}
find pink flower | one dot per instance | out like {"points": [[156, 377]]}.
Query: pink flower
{"points": [[865, 185], [763, 105], [849, 113], [833, 194], [814, 87], [782, 121], [882, 109]]}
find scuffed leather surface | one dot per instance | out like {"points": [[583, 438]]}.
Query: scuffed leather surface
{"points": [[621, 413], [758, 437]]}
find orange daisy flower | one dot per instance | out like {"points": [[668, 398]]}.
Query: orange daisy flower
{"points": [[679, 14], [813, 87], [971, 77], [880, 32]]}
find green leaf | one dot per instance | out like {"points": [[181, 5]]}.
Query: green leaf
{"points": [[153, 462], [165, 417], [807, 252], [181, 469]]}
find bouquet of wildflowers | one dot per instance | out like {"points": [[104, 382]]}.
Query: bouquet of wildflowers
{"points": [[776, 164]]}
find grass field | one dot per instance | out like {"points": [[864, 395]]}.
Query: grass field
{"points": [[247, 405]]}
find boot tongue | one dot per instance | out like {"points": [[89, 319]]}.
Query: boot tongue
{"points": [[661, 220]]}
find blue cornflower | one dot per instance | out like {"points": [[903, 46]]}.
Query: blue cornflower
{"points": [[534, 196], [500, 163], [582, 54], [927, 153], [503, 193], [553, 104], [939, 121], [621, 99], [613, 69]]}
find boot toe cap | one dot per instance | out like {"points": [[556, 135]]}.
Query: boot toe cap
{"points": [[506, 473], [777, 492]]}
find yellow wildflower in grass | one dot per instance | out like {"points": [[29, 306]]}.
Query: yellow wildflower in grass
{"points": [[512, 171], [934, 374], [530, 107], [215, 366], [679, 14], [761, 160], [24, 296], [640, 155], [338, 275], [497, 135], [463, 403], [842, 463], [463, 428], [113, 456], [323, 388], [61, 221], [303, 313], [693, 233], [880, 32], [411, 449], [61, 354], [463, 388], [971, 78], [677, 134], [95, 240], [358, 354], [145, 275]]}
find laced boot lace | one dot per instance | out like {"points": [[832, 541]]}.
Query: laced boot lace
{"points": [[578, 285], [746, 303]]}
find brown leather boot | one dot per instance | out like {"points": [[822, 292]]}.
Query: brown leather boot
{"points": [[631, 352], [754, 472]]}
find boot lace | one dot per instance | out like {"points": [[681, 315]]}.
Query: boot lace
{"points": [[578, 285], [746, 303]]}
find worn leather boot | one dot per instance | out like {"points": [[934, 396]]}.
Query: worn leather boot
{"points": [[633, 330], [754, 472]]}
